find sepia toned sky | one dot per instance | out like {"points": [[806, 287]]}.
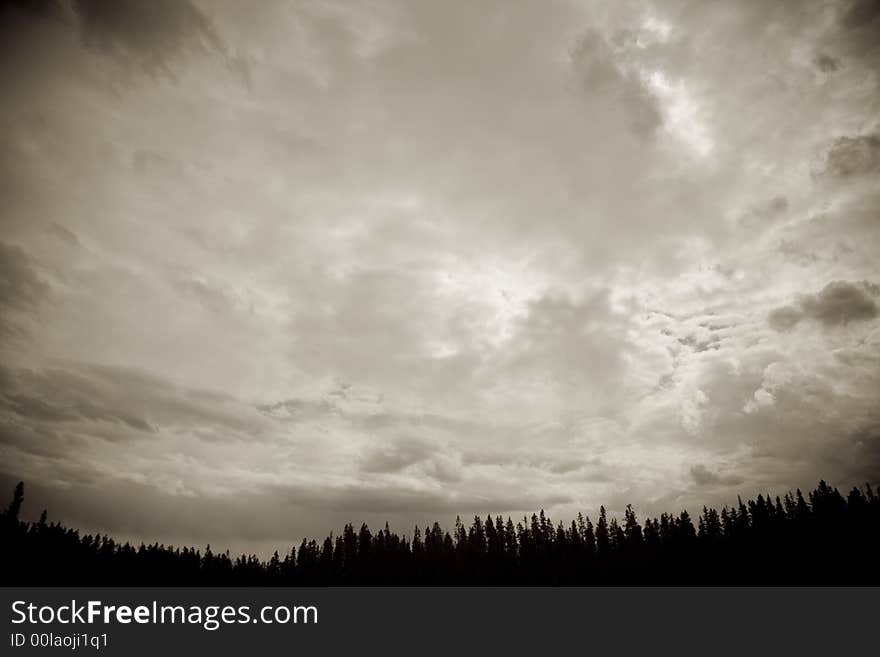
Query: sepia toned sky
{"points": [[266, 268]]}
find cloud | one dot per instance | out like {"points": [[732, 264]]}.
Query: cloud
{"points": [[35, 8], [143, 36], [23, 292], [860, 14], [784, 318], [409, 453], [396, 455], [841, 302], [21, 288], [702, 476], [210, 296], [765, 214], [146, 34], [60, 396], [150, 163], [65, 235], [80, 395], [392, 499], [576, 342], [603, 76], [850, 157], [837, 304], [826, 63], [863, 455]]}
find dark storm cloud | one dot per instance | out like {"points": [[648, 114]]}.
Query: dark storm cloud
{"points": [[841, 302], [146, 33], [850, 157], [860, 14], [855, 39], [837, 304], [148, 36], [35, 8]]}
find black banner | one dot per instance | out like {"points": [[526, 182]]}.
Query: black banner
{"points": [[417, 621]]}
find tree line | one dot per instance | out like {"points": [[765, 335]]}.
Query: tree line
{"points": [[823, 538]]}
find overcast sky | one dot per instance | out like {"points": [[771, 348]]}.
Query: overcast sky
{"points": [[269, 267]]}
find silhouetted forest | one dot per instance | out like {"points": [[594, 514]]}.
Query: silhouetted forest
{"points": [[825, 538]]}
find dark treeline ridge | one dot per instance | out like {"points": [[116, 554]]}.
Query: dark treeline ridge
{"points": [[824, 539]]}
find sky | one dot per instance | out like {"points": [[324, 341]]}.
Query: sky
{"points": [[267, 268]]}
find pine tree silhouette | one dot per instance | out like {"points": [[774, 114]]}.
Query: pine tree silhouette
{"points": [[14, 507], [830, 539]]}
